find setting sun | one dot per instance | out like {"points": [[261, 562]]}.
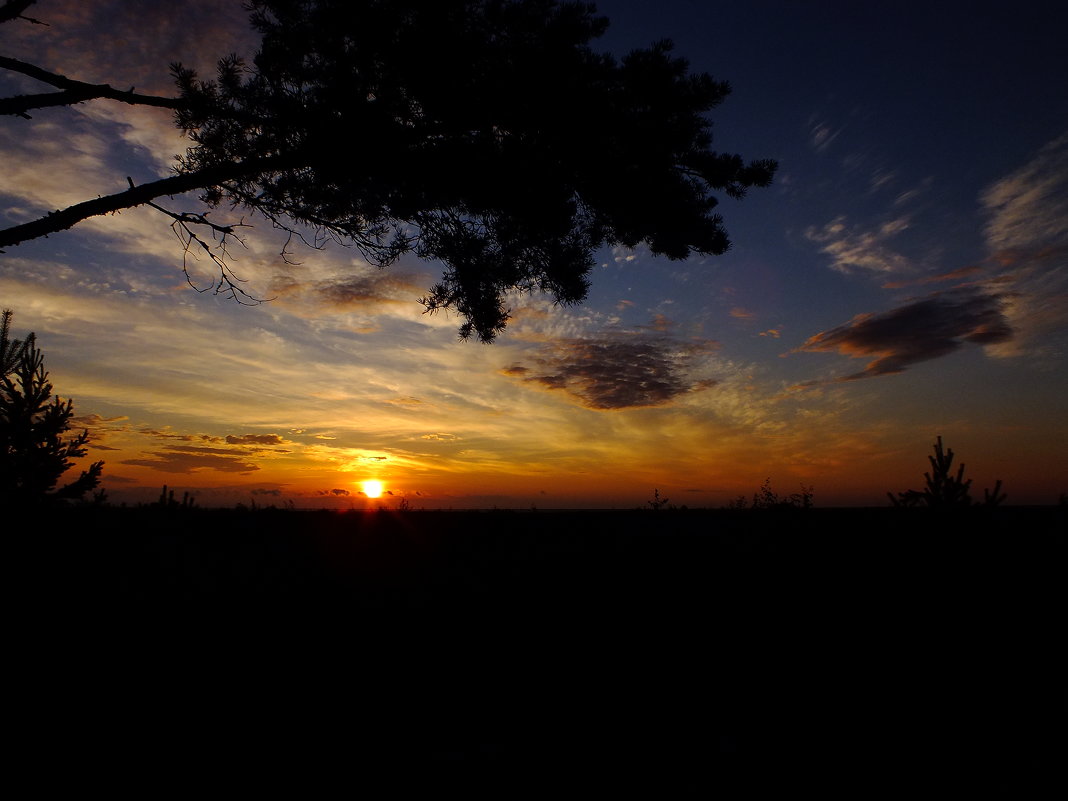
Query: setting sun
{"points": [[372, 489]]}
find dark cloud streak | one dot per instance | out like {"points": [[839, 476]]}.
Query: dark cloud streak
{"points": [[189, 460], [618, 371], [920, 331], [255, 439], [364, 290]]}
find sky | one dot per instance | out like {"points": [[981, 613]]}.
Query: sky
{"points": [[905, 277]]}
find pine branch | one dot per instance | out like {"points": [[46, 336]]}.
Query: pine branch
{"points": [[13, 9], [72, 92], [62, 219]]}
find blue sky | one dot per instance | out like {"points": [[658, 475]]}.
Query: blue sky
{"points": [[905, 277]]}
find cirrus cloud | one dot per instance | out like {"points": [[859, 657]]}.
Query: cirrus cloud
{"points": [[1027, 233], [1029, 207], [852, 248]]}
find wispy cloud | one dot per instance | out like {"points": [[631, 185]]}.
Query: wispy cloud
{"points": [[971, 270], [821, 134], [1029, 208], [882, 178], [854, 248], [1027, 233]]}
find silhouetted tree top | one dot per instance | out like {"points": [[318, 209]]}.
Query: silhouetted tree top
{"points": [[944, 489], [486, 134], [34, 453]]}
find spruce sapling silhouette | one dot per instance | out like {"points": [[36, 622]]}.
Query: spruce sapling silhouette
{"points": [[657, 503], [33, 451], [945, 489]]}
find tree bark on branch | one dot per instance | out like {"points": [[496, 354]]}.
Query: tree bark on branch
{"points": [[62, 219], [13, 9], [72, 92]]}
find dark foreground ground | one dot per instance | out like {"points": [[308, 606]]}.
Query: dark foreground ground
{"points": [[841, 652]]}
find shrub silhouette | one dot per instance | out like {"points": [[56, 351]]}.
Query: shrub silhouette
{"points": [[767, 498], [33, 451], [167, 501], [657, 503], [944, 489]]}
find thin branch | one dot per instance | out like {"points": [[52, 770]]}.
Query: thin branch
{"points": [[19, 105], [192, 217], [228, 280], [72, 92], [372, 249], [13, 9], [61, 220]]}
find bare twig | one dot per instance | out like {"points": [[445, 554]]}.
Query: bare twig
{"points": [[227, 284], [322, 232], [228, 281]]}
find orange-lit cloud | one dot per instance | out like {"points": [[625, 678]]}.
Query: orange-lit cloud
{"points": [[661, 322], [952, 275], [255, 439], [916, 332]]}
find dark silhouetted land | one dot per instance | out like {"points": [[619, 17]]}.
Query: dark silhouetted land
{"points": [[540, 653]]}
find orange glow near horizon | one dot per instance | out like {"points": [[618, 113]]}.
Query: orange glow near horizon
{"points": [[372, 488]]}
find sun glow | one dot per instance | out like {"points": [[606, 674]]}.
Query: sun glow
{"points": [[372, 489]]}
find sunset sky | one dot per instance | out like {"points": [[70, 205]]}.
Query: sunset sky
{"points": [[906, 276]]}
